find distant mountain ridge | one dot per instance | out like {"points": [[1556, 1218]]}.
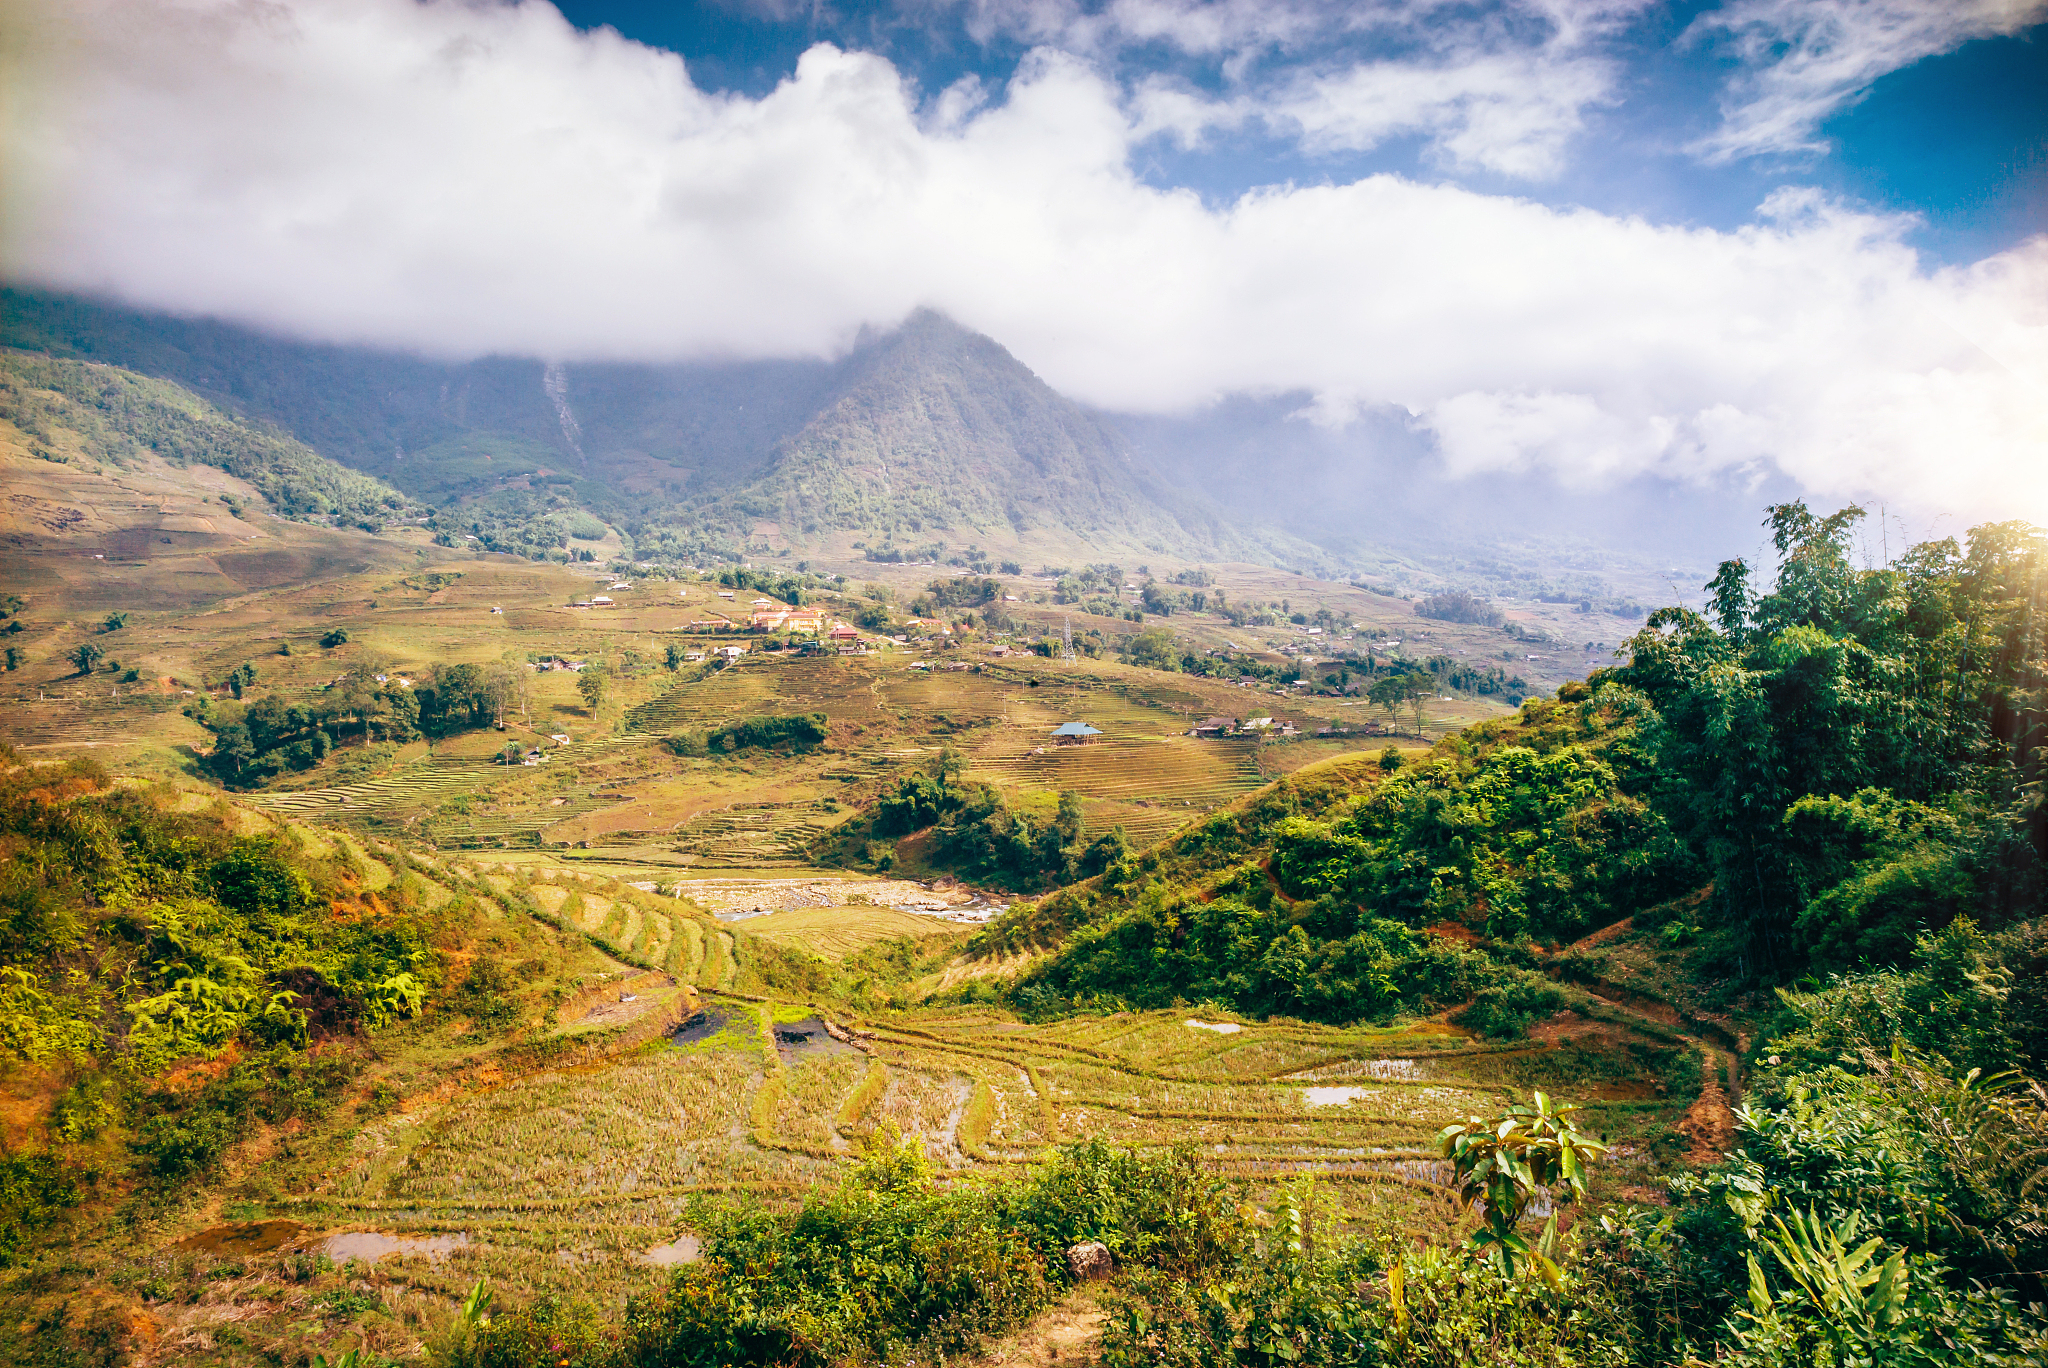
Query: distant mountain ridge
{"points": [[935, 427], [926, 432]]}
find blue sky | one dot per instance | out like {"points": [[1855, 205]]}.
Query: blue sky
{"points": [[1958, 138], [1796, 242]]}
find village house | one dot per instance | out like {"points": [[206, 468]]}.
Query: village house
{"points": [[773, 619], [1215, 726], [1074, 734], [559, 738]]}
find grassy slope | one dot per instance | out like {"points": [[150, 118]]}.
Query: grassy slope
{"points": [[116, 416]]}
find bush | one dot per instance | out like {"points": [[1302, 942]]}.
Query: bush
{"points": [[800, 732], [1456, 605], [1507, 1011], [888, 1266]]}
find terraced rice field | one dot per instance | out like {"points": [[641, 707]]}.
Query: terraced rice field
{"points": [[752, 835], [410, 791], [611, 1155], [836, 932]]}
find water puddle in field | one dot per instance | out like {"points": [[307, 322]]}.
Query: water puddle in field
{"points": [[1336, 1097], [702, 1026], [372, 1245], [684, 1248], [796, 1039], [243, 1237], [1219, 1027]]}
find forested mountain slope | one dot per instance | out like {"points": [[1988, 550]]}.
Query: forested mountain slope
{"points": [[927, 433], [73, 409], [1843, 762], [933, 427]]}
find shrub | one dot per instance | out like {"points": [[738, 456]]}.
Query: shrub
{"points": [[1456, 605]]}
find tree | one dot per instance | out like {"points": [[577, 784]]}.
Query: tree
{"points": [[1915, 679], [595, 686], [1154, 649], [84, 656], [114, 622], [13, 658], [673, 657], [1506, 1162], [337, 637], [1067, 821], [1393, 692]]}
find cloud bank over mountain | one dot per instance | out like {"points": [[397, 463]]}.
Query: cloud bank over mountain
{"points": [[467, 179]]}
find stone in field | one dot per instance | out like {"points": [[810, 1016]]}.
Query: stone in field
{"points": [[1089, 1261]]}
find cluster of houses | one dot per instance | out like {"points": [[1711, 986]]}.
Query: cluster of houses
{"points": [[1240, 726]]}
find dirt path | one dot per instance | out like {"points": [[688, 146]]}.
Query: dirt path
{"points": [[1709, 1123], [1064, 1333]]}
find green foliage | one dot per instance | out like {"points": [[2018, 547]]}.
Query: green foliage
{"points": [[182, 934], [1503, 1165], [35, 1189], [888, 1265], [486, 998], [1457, 605], [1849, 751], [85, 656], [1506, 1009], [1519, 842], [966, 591], [120, 417], [800, 732], [981, 837], [269, 736]]}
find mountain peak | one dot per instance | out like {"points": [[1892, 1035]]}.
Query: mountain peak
{"points": [[932, 426]]}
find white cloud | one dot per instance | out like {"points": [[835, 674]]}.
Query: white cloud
{"points": [[1501, 88], [1804, 59], [480, 178], [1511, 112]]}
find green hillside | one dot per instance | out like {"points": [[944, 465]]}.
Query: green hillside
{"points": [[933, 428], [929, 433], [117, 416]]}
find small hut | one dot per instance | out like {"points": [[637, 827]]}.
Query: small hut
{"points": [[1073, 734]]}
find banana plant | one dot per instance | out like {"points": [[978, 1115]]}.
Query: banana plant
{"points": [[1503, 1164]]}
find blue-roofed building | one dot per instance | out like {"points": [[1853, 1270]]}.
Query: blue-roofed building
{"points": [[1073, 733]]}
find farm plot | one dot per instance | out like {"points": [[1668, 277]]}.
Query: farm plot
{"points": [[1172, 771], [583, 1158], [753, 835], [836, 932]]}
